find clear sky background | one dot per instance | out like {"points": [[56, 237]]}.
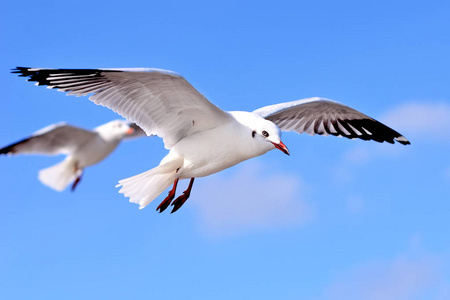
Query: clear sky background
{"points": [[338, 219]]}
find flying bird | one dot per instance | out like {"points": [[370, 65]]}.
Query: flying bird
{"points": [[83, 148], [202, 138]]}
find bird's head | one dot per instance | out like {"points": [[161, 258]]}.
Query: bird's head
{"points": [[268, 132], [263, 131], [117, 129]]}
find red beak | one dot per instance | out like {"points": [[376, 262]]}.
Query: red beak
{"points": [[282, 147]]}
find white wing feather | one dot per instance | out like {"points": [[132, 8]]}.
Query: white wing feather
{"points": [[160, 102], [54, 139]]}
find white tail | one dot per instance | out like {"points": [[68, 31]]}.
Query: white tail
{"points": [[145, 187], [59, 176]]}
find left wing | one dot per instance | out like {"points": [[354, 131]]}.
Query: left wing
{"points": [[325, 117], [161, 102]]}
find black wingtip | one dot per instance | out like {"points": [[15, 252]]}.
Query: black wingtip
{"points": [[23, 71], [5, 151], [8, 150], [402, 140], [371, 129], [13, 148], [33, 74]]}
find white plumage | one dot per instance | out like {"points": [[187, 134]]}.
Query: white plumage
{"points": [[83, 148]]}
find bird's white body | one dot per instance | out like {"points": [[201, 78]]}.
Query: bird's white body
{"points": [[107, 138], [205, 153], [211, 151], [94, 152]]}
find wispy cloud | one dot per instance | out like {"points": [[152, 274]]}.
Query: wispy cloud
{"points": [[405, 277], [421, 120], [250, 199]]}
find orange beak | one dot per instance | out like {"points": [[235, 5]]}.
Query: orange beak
{"points": [[282, 147], [130, 131]]}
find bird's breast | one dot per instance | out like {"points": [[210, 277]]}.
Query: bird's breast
{"points": [[93, 152], [211, 151]]}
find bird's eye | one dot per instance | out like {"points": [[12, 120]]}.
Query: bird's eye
{"points": [[265, 134]]}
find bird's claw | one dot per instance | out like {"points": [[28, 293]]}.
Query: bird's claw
{"points": [[165, 203], [179, 202]]}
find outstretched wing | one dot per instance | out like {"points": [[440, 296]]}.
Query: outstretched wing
{"points": [[51, 140], [160, 102], [324, 117]]}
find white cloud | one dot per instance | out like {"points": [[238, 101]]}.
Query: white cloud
{"points": [[250, 198], [357, 155], [421, 120], [403, 278], [343, 172]]}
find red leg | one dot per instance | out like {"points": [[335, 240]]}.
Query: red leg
{"points": [[75, 183], [181, 199], [166, 202]]}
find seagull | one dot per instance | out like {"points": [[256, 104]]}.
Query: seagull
{"points": [[83, 148], [202, 138]]}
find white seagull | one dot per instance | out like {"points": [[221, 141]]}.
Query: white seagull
{"points": [[202, 138], [83, 148]]}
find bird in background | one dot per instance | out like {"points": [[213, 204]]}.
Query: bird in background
{"points": [[202, 138], [83, 148]]}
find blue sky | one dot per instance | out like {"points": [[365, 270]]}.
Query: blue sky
{"points": [[338, 219]]}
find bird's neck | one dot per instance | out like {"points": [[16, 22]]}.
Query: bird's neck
{"points": [[108, 137]]}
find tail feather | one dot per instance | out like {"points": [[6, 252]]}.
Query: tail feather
{"points": [[59, 176], [145, 187]]}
